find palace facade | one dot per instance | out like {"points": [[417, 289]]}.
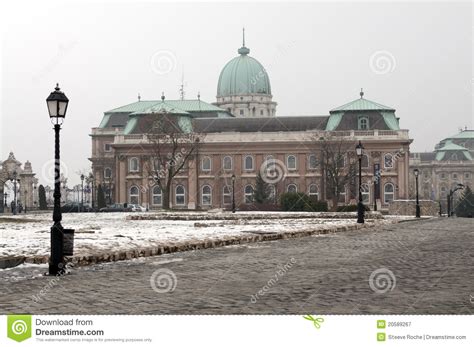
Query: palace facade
{"points": [[242, 133], [451, 163]]}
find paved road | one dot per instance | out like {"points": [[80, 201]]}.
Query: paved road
{"points": [[417, 268]]}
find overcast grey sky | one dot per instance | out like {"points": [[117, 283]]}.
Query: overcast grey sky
{"points": [[416, 58]]}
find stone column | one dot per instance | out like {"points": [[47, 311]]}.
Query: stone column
{"points": [[192, 182]]}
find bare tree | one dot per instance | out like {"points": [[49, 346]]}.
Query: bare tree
{"points": [[339, 166], [172, 144]]}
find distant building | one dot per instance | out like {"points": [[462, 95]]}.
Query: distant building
{"points": [[241, 133], [451, 162]]}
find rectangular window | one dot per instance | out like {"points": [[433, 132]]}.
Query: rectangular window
{"points": [[107, 147]]}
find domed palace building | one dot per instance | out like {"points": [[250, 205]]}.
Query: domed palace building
{"points": [[225, 145]]}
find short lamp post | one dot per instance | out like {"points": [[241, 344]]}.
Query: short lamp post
{"points": [[451, 198], [360, 206], [15, 181], [57, 106], [82, 192], [233, 193], [416, 172]]}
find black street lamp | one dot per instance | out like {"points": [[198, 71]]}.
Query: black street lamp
{"points": [[15, 181], [82, 192], [5, 196], [360, 206], [233, 193], [418, 213], [451, 198], [26, 192], [92, 182], [57, 106]]}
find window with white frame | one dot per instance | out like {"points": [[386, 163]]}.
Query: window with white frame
{"points": [[108, 172], [226, 195], [388, 161], [363, 123], [156, 196], [442, 175], [313, 191], [341, 160], [467, 175], [227, 163], [248, 162], [292, 188], [179, 195], [365, 189], [155, 162], [133, 165], [134, 196], [206, 164], [291, 162], [206, 195], [248, 194], [312, 162], [388, 193], [455, 176]]}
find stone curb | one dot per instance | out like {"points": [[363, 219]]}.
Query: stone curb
{"points": [[83, 260], [243, 216]]}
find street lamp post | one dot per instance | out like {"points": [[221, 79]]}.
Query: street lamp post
{"points": [[360, 205], [417, 213], [26, 192], [5, 195], [82, 192], [15, 181], [233, 193], [57, 106]]}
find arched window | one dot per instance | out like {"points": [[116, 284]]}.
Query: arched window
{"points": [[206, 195], [443, 192], [313, 191], [312, 162], [226, 195], [292, 188], [291, 162], [206, 164], [365, 193], [227, 163], [133, 165], [248, 162], [156, 196], [365, 161], [388, 193], [388, 161], [179, 195], [248, 194], [107, 172], [363, 123], [134, 196]]}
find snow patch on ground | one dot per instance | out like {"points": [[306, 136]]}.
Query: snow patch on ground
{"points": [[29, 235]]}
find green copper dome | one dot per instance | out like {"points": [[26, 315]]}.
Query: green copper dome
{"points": [[243, 75]]}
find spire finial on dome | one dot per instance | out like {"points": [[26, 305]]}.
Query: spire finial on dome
{"points": [[243, 50], [162, 96], [361, 93]]}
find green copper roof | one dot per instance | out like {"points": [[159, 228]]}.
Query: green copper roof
{"points": [[243, 75], [450, 146], [182, 105], [362, 104], [464, 134]]}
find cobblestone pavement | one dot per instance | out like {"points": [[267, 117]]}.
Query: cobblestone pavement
{"points": [[416, 267]]}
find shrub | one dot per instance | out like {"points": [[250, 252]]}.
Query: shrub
{"points": [[301, 202]]}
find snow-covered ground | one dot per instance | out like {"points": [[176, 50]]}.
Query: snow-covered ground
{"points": [[29, 235]]}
